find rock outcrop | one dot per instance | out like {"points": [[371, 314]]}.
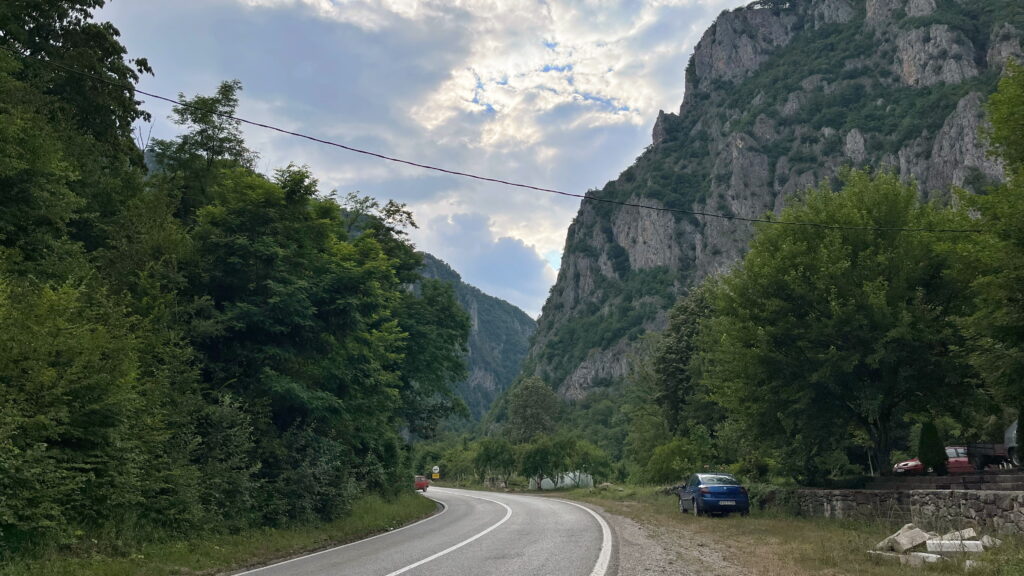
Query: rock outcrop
{"points": [[779, 97]]}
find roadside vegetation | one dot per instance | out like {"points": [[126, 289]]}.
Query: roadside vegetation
{"points": [[192, 351], [216, 554]]}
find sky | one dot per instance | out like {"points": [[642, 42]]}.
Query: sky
{"points": [[556, 94]]}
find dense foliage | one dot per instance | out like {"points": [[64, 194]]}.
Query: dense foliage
{"points": [[931, 451], [197, 347]]}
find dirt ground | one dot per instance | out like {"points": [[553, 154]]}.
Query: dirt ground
{"points": [[657, 549]]}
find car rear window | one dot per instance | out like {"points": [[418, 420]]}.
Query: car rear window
{"points": [[718, 480]]}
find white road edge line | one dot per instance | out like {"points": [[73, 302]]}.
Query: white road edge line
{"points": [[601, 567], [444, 508], [508, 514]]}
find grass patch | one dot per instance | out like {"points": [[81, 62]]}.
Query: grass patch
{"points": [[219, 553], [773, 544]]}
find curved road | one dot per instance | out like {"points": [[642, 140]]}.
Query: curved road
{"points": [[477, 534]]}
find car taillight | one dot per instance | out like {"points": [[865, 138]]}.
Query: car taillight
{"points": [[705, 490]]}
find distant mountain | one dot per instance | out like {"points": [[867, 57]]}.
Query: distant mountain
{"points": [[780, 96], [498, 341]]}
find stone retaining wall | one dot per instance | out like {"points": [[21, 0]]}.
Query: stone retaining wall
{"points": [[938, 510]]}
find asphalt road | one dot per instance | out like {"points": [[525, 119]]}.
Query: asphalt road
{"points": [[477, 534]]}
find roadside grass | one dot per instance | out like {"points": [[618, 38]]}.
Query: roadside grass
{"points": [[770, 544], [216, 554]]}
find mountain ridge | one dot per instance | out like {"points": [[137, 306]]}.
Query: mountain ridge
{"points": [[779, 97], [498, 340]]}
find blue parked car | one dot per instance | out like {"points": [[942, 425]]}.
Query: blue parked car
{"points": [[713, 493]]}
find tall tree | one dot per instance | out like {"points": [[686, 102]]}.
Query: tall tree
{"points": [[532, 410], [680, 391], [996, 326], [820, 330]]}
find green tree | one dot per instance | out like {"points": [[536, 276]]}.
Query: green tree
{"points": [[679, 387], [533, 409], [820, 330], [192, 163], [996, 258], [542, 458], [436, 332], [495, 458], [587, 458], [930, 449]]}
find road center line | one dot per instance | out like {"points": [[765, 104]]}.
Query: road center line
{"points": [[444, 508], [601, 567], [508, 514]]}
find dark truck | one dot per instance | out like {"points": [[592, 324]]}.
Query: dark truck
{"points": [[982, 456]]}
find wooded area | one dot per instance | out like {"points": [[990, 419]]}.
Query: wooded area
{"points": [[188, 345]]}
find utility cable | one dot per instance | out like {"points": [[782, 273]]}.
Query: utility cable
{"points": [[130, 88]]}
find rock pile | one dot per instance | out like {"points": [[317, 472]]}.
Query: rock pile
{"points": [[952, 546]]}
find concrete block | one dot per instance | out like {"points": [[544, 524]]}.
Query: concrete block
{"points": [[990, 542], [919, 559], [955, 546], [891, 556], [909, 539], [965, 534], [888, 543]]}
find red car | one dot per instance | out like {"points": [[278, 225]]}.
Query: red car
{"points": [[421, 483], [958, 463]]}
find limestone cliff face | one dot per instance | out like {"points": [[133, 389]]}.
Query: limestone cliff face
{"points": [[498, 338], [776, 100]]}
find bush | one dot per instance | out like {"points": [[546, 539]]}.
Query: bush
{"points": [[930, 450]]}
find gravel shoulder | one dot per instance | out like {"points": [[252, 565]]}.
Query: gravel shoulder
{"points": [[661, 549]]}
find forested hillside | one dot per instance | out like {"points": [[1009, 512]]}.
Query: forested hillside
{"points": [[199, 347], [499, 337], [779, 97]]}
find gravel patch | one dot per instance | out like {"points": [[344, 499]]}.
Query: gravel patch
{"points": [[644, 550]]}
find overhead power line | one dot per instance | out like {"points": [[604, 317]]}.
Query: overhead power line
{"points": [[131, 88]]}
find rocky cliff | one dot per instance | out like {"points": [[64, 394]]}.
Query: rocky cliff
{"points": [[498, 340], [779, 97]]}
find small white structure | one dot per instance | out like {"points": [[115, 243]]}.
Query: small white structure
{"points": [[565, 480]]}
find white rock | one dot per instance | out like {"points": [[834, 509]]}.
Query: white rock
{"points": [[959, 546], [971, 564], [887, 544], [907, 540], [990, 542]]}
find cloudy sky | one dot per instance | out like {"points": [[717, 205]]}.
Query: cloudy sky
{"points": [[557, 94]]}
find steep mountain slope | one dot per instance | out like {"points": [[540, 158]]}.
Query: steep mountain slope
{"points": [[498, 340], [779, 97]]}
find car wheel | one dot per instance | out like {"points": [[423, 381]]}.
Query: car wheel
{"points": [[696, 509], [1014, 457]]}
